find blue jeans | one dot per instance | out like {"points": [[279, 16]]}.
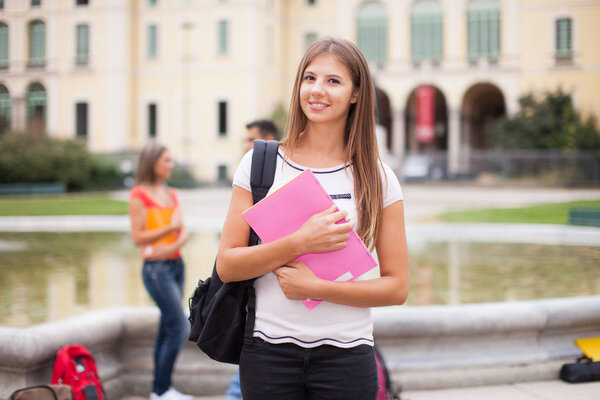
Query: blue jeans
{"points": [[234, 391], [286, 371], [164, 282]]}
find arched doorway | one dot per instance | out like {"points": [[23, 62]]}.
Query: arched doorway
{"points": [[383, 121], [5, 107], [482, 105], [36, 108], [383, 115], [414, 107]]}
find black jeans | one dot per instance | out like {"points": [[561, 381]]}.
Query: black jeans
{"points": [[290, 372]]}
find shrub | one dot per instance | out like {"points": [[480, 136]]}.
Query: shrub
{"points": [[26, 158], [548, 123], [181, 177]]}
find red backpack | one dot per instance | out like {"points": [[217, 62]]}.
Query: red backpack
{"points": [[387, 390], [76, 367]]}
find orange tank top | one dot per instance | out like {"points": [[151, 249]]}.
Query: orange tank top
{"points": [[157, 216]]}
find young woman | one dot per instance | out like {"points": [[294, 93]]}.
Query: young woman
{"points": [[324, 353], [156, 227]]}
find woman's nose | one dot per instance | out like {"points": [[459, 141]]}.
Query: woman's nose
{"points": [[317, 88]]}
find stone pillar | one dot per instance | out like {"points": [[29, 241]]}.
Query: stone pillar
{"points": [[454, 142], [398, 137]]}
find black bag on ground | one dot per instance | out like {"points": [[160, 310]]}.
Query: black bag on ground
{"points": [[43, 392], [222, 314], [584, 370]]}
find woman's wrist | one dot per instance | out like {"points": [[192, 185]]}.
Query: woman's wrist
{"points": [[294, 245], [317, 289]]}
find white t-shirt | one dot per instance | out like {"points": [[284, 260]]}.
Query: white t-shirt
{"points": [[280, 320]]}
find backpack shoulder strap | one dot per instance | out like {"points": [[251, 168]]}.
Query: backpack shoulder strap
{"points": [[264, 160], [262, 174]]}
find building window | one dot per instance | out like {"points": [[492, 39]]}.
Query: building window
{"points": [[152, 115], [37, 43], [4, 45], [82, 44], [4, 109], [311, 3], [564, 38], [483, 29], [36, 108], [81, 2], [223, 37], [1, 4], [222, 118], [81, 120], [426, 31], [152, 41], [152, 3], [222, 174], [36, 3], [372, 32]]}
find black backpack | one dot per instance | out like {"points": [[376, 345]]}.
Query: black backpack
{"points": [[222, 314], [43, 392]]}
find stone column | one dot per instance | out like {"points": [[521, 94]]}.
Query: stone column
{"points": [[454, 142], [398, 137]]}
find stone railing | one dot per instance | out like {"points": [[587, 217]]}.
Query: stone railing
{"points": [[424, 346]]}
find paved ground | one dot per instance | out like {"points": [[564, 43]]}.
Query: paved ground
{"points": [[549, 390]]}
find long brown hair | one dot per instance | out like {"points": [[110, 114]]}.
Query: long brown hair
{"points": [[144, 173], [359, 138]]}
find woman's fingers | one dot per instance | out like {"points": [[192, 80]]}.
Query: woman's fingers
{"points": [[327, 211], [337, 216]]}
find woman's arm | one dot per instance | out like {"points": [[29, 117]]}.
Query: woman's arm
{"points": [[236, 261], [163, 252], [139, 234], [298, 281]]}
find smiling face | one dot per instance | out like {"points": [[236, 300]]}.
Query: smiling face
{"points": [[164, 166], [327, 90]]}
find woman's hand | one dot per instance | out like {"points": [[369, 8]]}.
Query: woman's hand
{"points": [[160, 253], [164, 252], [297, 281], [321, 233]]}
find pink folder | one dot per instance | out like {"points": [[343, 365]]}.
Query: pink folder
{"points": [[287, 209]]}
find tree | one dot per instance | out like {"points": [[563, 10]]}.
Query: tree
{"points": [[549, 123]]}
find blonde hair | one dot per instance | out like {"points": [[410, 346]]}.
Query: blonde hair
{"points": [[144, 173], [359, 138]]}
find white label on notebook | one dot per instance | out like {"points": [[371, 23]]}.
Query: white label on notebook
{"points": [[346, 277]]}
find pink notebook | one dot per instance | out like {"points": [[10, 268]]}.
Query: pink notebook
{"points": [[287, 209]]}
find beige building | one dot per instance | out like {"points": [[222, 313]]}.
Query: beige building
{"points": [[192, 72]]}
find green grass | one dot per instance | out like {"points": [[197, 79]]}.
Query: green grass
{"points": [[61, 205], [555, 213]]}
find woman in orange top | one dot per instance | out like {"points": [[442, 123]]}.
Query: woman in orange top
{"points": [[157, 227]]}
